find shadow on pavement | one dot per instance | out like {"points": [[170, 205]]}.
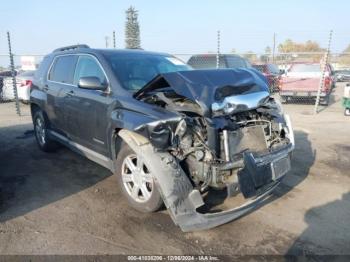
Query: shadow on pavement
{"points": [[30, 178], [303, 158], [329, 225]]}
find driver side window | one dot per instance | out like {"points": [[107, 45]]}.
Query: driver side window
{"points": [[87, 66]]}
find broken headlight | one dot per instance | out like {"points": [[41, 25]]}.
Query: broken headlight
{"points": [[160, 136], [181, 128]]}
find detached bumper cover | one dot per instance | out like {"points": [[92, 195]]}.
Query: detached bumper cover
{"points": [[260, 171], [179, 196]]}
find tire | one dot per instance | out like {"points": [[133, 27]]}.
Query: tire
{"points": [[347, 112], [136, 181], [324, 101], [43, 140]]}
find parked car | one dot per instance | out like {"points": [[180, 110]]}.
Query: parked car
{"points": [[3, 75], [23, 82], [272, 74], [342, 75], [209, 61], [303, 80], [170, 134]]}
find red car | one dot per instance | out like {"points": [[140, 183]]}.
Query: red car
{"points": [[272, 74], [303, 80]]}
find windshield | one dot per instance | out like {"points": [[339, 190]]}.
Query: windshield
{"points": [[136, 70], [301, 68]]}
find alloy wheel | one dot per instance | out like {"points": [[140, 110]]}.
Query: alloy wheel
{"points": [[137, 179]]}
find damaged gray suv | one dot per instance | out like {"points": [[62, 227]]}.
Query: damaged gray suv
{"points": [[209, 144]]}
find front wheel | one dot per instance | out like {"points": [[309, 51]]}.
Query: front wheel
{"points": [[136, 181]]}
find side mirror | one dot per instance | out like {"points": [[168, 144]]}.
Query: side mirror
{"points": [[91, 82]]}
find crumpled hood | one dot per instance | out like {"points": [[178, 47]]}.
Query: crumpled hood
{"points": [[208, 86]]}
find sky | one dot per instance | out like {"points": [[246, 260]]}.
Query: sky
{"points": [[177, 27]]}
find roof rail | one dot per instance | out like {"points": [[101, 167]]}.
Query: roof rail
{"points": [[65, 48]]}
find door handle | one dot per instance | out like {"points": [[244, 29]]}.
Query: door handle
{"points": [[70, 93], [46, 88]]}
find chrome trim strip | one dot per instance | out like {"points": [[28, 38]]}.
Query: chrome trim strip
{"points": [[98, 141]]}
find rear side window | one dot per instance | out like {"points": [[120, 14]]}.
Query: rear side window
{"points": [[63, 69], [87, 66], [40, 74]]}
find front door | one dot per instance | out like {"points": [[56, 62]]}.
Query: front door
{"points": [[87, 109]]}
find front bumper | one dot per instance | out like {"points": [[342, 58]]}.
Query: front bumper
{"points": [[193, 220]]}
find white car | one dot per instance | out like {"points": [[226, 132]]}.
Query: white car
{"points": [[23, 83]]}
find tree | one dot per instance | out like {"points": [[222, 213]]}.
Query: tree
{"points": [[292, 47], [344, 57], [250, 56], [132, 29], [309, 46], [267, 50]]}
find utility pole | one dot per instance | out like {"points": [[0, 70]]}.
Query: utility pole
{"points": [[323, 66], [218, 50], [13, 74], [274, 48], [114, 39]]}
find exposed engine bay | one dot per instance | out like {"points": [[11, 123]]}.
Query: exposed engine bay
{"points": [[210, 147], [229, 132]]}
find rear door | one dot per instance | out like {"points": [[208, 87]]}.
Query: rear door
{"points": [[59, 84]]}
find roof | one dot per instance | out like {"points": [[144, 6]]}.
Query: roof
{"points": [[214, 55], [86, 49]]}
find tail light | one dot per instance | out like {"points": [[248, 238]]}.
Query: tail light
{"points": [[26, 83], [327, 82]]}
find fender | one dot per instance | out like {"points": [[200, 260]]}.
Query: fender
{"points": [[140, 123], [174, 186]]}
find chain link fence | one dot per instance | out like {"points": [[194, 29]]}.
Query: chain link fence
{"points": [[294, 78], [303, 78], [21, 74]]}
